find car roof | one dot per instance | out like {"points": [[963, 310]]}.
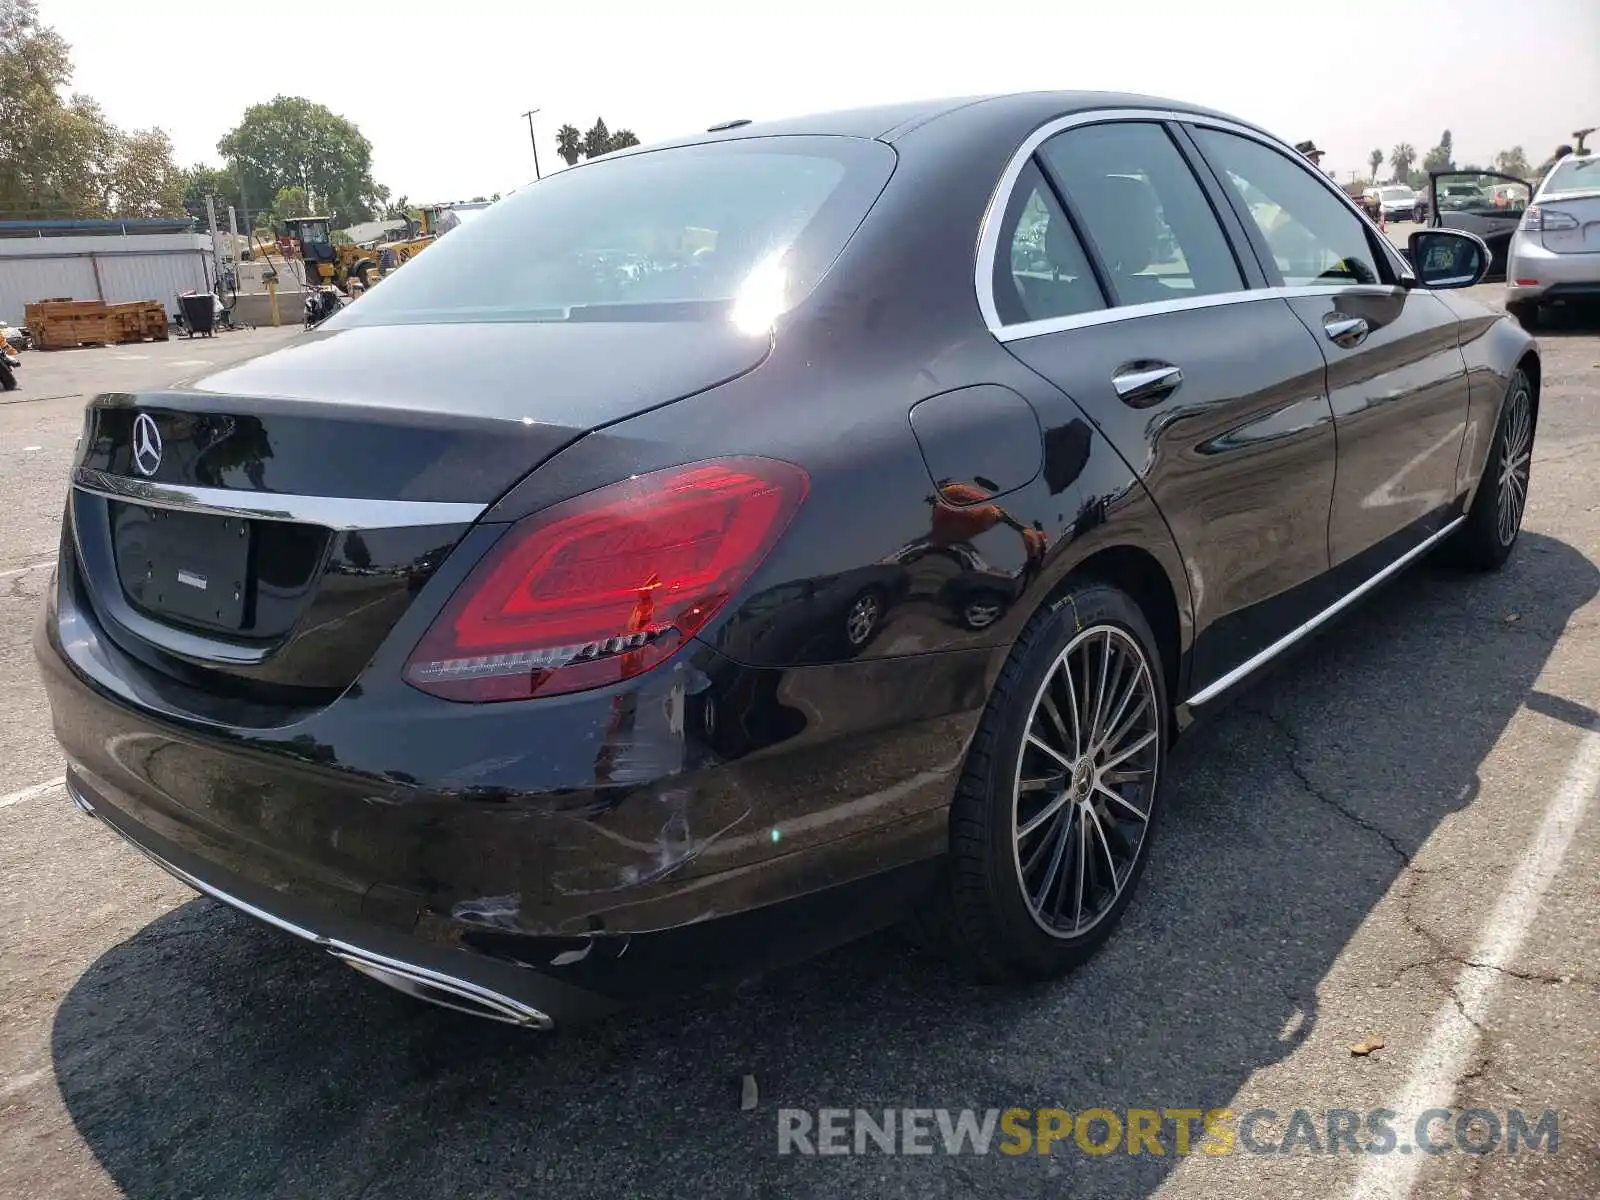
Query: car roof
{"points": [[892, 122]]}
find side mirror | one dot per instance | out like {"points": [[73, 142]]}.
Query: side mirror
{"points": [[1448, 258]]}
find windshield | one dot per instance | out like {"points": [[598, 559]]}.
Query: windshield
{"points": [[1574, 175], [1395, 193], [675, 234]]}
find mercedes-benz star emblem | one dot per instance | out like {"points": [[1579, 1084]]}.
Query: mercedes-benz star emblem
{"points": [[146, 445]]}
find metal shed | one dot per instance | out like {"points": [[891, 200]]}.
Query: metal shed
{"points": [[115, 262]]}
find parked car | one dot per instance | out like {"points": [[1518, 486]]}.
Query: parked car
{"points": [[1554, 255], [432, 650], [1399, 203], [1485, 203]]}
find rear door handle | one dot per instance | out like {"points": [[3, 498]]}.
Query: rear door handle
{"points": [[1143, 383], [1345, 331]]}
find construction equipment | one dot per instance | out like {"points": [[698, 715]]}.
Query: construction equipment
{"points": [[327, 262]]}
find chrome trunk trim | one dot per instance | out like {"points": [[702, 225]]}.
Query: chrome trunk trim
{"points": [[329, 512]]}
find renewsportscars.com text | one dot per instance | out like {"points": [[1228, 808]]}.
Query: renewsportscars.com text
{"points": [[1163, 1131]]}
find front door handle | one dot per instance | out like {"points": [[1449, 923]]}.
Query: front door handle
{"points": [[1344, 330], [1143, 383]]}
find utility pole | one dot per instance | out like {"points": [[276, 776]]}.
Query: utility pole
{"points": [[534, 140]]}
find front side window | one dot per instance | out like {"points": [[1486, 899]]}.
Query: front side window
{"points": [[1144, 211], [1312, 237], [678, 234]]}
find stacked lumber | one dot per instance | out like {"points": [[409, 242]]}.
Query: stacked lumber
{"points": [[137, 320], [60, 324]]}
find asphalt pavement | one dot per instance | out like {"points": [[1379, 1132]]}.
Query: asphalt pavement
{"points": [[1393, 838]]}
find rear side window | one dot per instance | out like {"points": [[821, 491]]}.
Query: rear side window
{"points": [[1041, 270], [677, 234], [1144, 211]]}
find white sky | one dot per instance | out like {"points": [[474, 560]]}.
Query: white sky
{"points": [[439, 88]]}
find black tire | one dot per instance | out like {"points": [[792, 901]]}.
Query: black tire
{"points": [[1526, 313], [980, 913], [1485, 541]]}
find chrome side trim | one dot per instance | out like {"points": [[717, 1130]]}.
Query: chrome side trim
{"points": [[423, 983], [1213, 690], [330, 512], [989, 235], [1131, 312]]}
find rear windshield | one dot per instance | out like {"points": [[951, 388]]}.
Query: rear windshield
{"points": [[676, 234], [1574, 175], [1396, 193]]}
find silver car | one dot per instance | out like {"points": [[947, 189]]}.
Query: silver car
{"points": [[1399, 203], [1555, 252]]}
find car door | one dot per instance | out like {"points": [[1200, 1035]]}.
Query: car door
{"points": [[1486, 203], [1396, 376], [1211, 391]]}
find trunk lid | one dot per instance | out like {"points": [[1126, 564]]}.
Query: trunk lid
{"points": [[1583, 208], [259, 531]]}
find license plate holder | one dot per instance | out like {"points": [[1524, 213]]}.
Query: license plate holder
{"points": [[191, 567]]}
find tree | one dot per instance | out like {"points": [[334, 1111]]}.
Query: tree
{"points": [[1400, 160], [1441, 157], [200, 181], [143, 179], [291, 142], [572, 145], [598, 140], [1375, 163], [1513, 162], [569, 145], [55, 155], [291, 202]]}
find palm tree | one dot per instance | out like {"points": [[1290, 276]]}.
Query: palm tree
{"points": [[569, 145], [623, 138], [1375, 161], [1401, 158]]}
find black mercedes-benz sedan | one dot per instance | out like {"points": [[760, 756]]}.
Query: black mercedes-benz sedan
{"points": [[725, 548]]}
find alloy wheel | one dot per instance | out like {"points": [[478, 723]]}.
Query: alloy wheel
{"points": [[1516, 455], [1086, 779]]}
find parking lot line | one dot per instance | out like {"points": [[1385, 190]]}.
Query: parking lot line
{"points": [[29, 793], [38, 566], [1456, 1025]]}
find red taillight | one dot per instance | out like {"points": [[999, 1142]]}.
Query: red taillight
{"points": [[606, 586]]}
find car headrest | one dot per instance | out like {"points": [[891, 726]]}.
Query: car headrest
{"points": [[1125, 217]]}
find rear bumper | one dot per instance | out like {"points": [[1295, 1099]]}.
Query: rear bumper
{"points": [[454, 981], [542, 862], [1534, 273]]}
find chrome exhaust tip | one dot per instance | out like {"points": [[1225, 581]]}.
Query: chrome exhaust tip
{"points": [[442, 990]]}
